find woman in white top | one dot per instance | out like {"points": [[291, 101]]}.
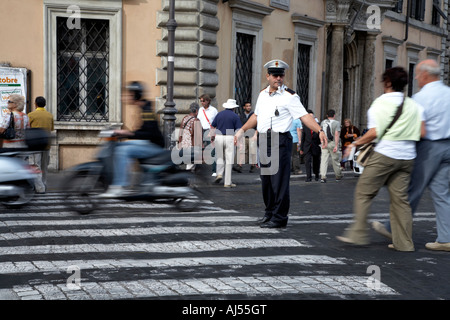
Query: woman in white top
{"points": [[16, 104]]}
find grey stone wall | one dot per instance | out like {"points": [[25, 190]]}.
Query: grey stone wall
{"points": [[196, 52]]}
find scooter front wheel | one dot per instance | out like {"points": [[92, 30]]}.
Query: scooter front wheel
{"points": [[82, 189]]}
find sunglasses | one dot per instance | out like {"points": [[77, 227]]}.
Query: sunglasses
{"points": [[9, 101]]}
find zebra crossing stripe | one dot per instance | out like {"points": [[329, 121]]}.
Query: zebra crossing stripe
{"points": [[165, 247], [71, 214], [250, 286], [124, 220], [62, 265], [94, 232]]}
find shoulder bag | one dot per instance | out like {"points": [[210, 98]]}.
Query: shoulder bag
{"points": [[10, 132], [366, 150]]}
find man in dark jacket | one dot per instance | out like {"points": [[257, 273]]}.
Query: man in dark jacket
{"points": [[310, 148], [143, 143]]}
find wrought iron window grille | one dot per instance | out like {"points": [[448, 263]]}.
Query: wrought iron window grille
{"points": [[83, 71], [244, 72]]}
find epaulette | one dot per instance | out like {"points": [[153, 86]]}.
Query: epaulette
{"points": [[290, 91]]}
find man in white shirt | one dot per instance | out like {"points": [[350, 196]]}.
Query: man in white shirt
{"points": [[332, 129], [206, 115]]}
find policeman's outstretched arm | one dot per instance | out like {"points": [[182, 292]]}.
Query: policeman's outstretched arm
{"points": [[310, 122], [251, 123]]}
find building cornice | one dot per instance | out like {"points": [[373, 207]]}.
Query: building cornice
{"points": [[250, 7]]}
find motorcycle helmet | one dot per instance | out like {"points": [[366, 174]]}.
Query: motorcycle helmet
{"points": [[136, 88]]}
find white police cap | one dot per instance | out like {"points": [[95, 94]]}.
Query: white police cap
{"points": [[276, 67]]}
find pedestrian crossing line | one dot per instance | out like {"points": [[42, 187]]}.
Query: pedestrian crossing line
{"points": [[125, 205], [92, 220], [248, 286], [348, 218], [164, 247], [83, 265], [160, 230], [99, 212]]}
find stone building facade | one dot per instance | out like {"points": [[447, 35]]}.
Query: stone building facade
{"points": [[82, 52]]}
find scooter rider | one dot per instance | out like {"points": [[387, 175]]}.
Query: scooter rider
{"points": [[145, 142]]}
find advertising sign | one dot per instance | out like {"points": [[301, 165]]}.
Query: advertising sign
{"points": [[12, 80]]}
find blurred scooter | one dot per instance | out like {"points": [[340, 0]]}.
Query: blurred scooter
{"points": [[159, 180], [16, 175]]}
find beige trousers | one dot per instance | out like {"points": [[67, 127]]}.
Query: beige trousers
{"points": [[225, 150], [395, 174], [327, 154]]}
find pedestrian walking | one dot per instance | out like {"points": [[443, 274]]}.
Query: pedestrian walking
{"points": [[206, 115], [332, 128], [224, 127], [41, 118], [391, 162], [310, 149], [432, 165], [277, 106]]}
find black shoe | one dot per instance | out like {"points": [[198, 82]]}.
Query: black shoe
{"points": [[252, 169], [264, 220], [308, 180], [237, 168], [273, 225], [317, 178]]}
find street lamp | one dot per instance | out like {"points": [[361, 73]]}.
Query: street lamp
{"points": [[169, 107]]}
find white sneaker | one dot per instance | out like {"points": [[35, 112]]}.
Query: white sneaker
{"points": [[112, 192], [214, 174]]}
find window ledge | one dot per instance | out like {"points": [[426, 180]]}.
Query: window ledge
{"points": [[86, 126]]}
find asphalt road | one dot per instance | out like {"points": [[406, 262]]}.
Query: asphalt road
{"points": [[216, 255]]}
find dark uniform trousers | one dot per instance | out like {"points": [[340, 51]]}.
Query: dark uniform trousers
{"points": [[275, 185]]}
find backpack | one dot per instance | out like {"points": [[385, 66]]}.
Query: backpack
{"points": [[326, 126]]}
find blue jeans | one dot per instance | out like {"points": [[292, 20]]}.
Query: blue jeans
{"points": [[432, 169], [127, 151]]}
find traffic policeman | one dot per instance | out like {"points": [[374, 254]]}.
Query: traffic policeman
{"points": [[275, 109]]}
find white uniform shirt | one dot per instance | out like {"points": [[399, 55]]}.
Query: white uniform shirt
{"points": [[287, 104], [211, 113]]}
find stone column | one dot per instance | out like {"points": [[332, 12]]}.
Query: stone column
{"points": [[368, 77], [336, 81]]}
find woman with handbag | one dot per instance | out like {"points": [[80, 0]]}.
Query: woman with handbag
{"points": [[394, 121], [16, 104]]}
